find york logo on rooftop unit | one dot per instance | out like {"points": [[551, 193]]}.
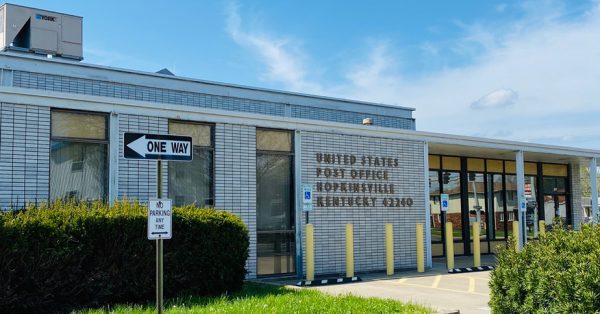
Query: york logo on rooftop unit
{"points": [[45, 17], [362, 181]]}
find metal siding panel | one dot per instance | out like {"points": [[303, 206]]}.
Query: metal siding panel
{"points": [[142, 93]]}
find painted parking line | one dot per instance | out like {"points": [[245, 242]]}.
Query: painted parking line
{"points": [[436, 281], [470, 286], [444, 289], [469, 276]]}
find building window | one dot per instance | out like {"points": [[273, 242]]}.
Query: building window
{"points": [[511, 217], [274, 199], [556, 192], [192, 182], [78, 155], [435, 207]]}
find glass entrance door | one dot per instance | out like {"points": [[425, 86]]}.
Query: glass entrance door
{"points": [[497, 220], [275, 234], [274, 219], [555, 206], [556, 200], [477, 209], [451, 186], [532, 216]]}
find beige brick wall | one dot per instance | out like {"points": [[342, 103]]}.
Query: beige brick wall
{"points": [[25, 155], [369, 221], [235, 178]]}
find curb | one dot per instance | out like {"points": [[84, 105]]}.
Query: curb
{"points": [[331, 281], [469, 269]]}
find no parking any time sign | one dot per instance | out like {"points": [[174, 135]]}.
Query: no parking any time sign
{"points": [[159, 219]]}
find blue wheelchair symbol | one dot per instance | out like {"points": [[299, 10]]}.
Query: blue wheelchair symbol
{"points": [[306, 195], [445, 203]]}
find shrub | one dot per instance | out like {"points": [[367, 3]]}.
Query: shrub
{"points": [[560, 273], [63, 256]]}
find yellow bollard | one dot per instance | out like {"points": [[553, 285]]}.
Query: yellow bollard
{"points": [[389, 248], [420, 249], [542, 229], [476, 246], [516, 235], [449, 246], [310, 253], [349, 251]]}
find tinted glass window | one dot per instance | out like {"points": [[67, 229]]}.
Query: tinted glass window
{"points": [[78, 156], [274, 140], [273, 192], [554, 185], [434, 205], [192, 182], [200, 133], [451, 186], [78, 125], [274, 203]]}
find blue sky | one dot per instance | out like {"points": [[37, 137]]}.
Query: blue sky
{"points": [[520, 70]]}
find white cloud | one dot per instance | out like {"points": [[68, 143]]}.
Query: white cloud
{"points": [[497, 99], [549, 59], [282, 57]]}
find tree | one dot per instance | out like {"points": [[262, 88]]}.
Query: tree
{"points": [[586, 190]]}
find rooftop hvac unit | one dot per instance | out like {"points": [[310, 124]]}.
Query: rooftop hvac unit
{"points": [[42, 32]]}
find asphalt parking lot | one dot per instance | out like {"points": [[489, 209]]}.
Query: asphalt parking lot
{"points": [[436, 288]]}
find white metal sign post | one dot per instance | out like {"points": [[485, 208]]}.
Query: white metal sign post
{"points": [[158, 147]]}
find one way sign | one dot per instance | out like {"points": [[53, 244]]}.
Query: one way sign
{"points": [[157, 146]]}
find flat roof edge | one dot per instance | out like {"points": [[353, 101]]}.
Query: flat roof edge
{"points": [[32, 8], [22, 95], [443, 138]]}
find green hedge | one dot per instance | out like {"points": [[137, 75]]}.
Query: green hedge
{"points": [[557, 274], [63, 256]]}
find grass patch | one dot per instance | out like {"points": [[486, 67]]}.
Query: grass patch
{"points": [[263, 298]]}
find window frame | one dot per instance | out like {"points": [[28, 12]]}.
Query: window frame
{"points": [[293, 197], [282, 152], [105, 141], [539, 178], [211, 148], [293, 160]]}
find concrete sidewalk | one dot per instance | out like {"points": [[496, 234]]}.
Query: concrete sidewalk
{"points": [[447, 293]]}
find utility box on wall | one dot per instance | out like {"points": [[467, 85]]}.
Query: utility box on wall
{"points": [[39, 31]]}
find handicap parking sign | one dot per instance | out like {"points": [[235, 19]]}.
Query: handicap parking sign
{"points": [[444, 202], [307, 195], [307, 203]]}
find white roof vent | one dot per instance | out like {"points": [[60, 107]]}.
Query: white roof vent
{"points": [[43, 32]]}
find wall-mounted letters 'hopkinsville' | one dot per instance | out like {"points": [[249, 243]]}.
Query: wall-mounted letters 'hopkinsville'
{"points": [[358, 181]]}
